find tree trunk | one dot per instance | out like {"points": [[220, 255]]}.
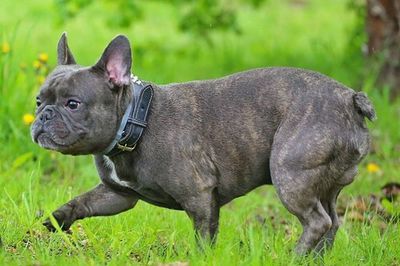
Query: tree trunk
{"points": [[383, 29]]}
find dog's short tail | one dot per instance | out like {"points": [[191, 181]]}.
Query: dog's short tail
{"points": [[364, 106]]}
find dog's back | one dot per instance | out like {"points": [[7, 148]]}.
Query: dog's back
{"points": [[234, 120]]}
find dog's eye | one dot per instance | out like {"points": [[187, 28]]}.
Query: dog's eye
{"points": [[38, 102], [73, 104]]}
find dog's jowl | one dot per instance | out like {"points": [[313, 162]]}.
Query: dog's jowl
{"points": [[196, 146]]}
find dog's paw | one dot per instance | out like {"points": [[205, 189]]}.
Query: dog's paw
{"points": [[47, 223], [64, 226]]}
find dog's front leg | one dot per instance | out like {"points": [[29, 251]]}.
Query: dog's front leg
{"points": [[203, 209], [100, 201]]}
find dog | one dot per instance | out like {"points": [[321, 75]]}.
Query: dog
{"points": [[198, 145]]}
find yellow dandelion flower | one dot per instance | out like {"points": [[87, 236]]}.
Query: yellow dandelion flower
{"points": [[28, 119], [41, 79], [22, 66], [43, 57], [37, 64], [373, 168], [5, 47]]}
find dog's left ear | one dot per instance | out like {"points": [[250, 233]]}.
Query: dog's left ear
{"points": [[64, 55], [116, 61]]}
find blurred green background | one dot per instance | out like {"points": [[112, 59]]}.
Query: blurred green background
{"points": [[176, 41], [166, 38]]}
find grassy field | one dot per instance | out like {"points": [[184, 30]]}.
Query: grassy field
{"points": [[254, 230]]}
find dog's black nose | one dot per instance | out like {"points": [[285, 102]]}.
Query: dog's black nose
{"points": [[46, 115]]}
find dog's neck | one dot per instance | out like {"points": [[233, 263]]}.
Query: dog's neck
{"points": [[125, 167], [134, 119], [125, 97]]}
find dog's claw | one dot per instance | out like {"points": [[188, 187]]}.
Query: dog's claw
{"points": [[48, 224]]}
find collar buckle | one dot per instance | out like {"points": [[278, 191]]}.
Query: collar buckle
{"points": [[126, 147]]}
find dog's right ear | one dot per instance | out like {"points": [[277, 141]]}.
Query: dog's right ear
{"points": [[64, 55], [115, 62]]}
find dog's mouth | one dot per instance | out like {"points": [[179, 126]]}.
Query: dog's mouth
{"points": [[56, 137], [46, 141], [36, 134]]}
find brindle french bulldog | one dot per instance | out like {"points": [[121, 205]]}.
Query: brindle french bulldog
{"points": [[207, 142]]}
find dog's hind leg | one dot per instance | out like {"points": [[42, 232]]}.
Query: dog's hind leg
{"points": [[302, 171], [100, 201], [329, 204], [303, 201]]}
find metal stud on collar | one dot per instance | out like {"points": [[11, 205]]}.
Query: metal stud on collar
{"points": [[135, 79]]}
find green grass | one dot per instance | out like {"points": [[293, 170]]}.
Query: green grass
{"points": [[255, 229]]}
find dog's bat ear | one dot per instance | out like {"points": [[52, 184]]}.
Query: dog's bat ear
{"points": [[116, 61], [64, 55]]}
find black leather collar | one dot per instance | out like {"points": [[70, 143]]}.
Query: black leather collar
{"points": [[134, 120]]}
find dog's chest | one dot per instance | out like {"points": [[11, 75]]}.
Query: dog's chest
{"points": [[112, 176], [147, 190]]}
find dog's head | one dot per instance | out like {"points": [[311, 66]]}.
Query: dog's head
{"points": [[79, 108]]}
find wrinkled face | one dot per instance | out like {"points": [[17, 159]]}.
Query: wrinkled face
{"points": [[78, 107], [75, 112]]}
